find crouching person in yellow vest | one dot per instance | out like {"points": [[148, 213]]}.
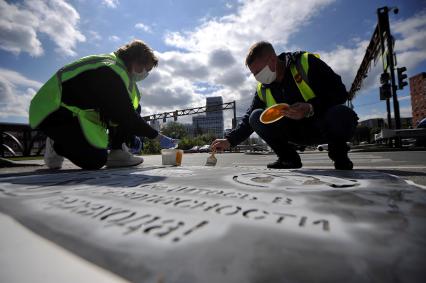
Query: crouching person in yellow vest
{"points": [[92, 102], [316, 115]]}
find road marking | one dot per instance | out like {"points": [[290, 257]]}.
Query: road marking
{"points": [[371, 167], [331, 166]]}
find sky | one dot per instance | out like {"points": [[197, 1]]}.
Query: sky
{"points": [[201, 45]]}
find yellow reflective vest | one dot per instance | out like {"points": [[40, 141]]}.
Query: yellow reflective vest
{"points": [[49, 98], [299, 71]]}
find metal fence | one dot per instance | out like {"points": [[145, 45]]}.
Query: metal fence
{"points": [[20, 140]]}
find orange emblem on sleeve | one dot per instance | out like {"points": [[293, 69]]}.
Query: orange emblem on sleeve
{"points": [[298, 78]]}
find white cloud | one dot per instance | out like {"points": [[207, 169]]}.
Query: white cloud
{"points": [[345, 61], [412, 31], [16, 92], [114, 38], [143, 27], [410, 44], [410, 47], [22, 23], [209, 59], [94, 35], [253, 20], [213, 53], [111, 3], [404, 112]]}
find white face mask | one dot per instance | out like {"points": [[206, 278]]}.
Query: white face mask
{"points": [[140, 76], [266, 76]]}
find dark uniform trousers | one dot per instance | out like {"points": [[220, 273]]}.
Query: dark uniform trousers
{"points": [[70, 142], [336, 126]]}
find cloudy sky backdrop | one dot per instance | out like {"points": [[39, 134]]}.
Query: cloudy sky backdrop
{"points": [[201, 45]]}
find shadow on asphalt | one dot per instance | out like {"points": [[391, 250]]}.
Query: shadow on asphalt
{"points": [[46, 171]]}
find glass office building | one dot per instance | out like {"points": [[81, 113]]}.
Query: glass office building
{"points": [[212, 121]]}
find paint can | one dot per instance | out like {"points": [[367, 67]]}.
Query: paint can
{"points": [[172, 156]]}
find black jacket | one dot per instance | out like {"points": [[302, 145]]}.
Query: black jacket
{"points": [[102, 89], [327, 86]]}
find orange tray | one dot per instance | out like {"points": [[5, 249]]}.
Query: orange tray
{"points": [[273, 113]]}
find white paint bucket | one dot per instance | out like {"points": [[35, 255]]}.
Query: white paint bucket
{"points": [[171, 156]]}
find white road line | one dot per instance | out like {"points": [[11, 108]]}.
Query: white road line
{"points": [[370, 167]]}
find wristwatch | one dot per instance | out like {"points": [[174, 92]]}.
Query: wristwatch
{"points": [[311, 112]]}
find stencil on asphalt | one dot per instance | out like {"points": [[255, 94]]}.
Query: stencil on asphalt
{"points": [[195, 224]]}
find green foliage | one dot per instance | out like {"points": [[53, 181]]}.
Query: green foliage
{"points": [[151, 146], [174, 130], [177, 131], [188, 142]]}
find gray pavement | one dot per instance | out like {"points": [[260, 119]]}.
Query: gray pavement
{"points": [[236, 222], [410, 165]]}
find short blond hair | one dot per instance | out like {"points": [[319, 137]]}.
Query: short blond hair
{"points": [[137, 51], [257, 50]]}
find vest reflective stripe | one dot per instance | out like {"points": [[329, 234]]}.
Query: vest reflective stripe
{"points": [[92, 128], [46, 101], [265, 95], [299, 72], [136, 95], [49, 98], [95, 61]]}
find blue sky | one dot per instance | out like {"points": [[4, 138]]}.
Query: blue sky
{"points": [[201, 45]]}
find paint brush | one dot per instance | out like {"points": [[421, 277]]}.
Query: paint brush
{"points": [[211, 160]]}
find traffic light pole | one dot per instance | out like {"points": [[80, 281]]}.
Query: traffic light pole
{"points": [[234, 123], [388, 109], [385, 67], [384, 30]]}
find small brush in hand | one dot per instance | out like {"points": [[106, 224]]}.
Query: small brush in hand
{"points": [[211, 160]]}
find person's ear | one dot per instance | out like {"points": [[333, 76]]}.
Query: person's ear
{"points": [[273, 63], [132, 68]]}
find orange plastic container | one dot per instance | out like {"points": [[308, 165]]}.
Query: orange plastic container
{"points": [[273, 113]]}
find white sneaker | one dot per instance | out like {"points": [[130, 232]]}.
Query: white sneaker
{"points": [[51, 158], [122, 158]]}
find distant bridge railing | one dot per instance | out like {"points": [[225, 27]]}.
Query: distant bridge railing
{"points": [[20, 140]]}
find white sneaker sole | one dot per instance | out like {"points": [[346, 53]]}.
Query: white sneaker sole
{"points": [[121, 163]]}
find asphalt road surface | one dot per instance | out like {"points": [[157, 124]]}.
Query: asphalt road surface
{"points": [[178, 224], [410, 165]]}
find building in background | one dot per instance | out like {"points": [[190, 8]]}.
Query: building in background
{"points": [[418, 97], [212, 121], [373, 123], [406, 122], [155, 124], [189, 129], [381, 123]]}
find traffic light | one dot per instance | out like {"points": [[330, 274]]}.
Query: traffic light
{"points": [[385, 89], [384, 78], [401, 77]]}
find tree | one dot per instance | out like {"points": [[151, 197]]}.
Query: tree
{"points": [[174, 130], [151, 146]]}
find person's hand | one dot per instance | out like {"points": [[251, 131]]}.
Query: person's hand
{"points": [[166, 142], [220, 144], [298, 110]]}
